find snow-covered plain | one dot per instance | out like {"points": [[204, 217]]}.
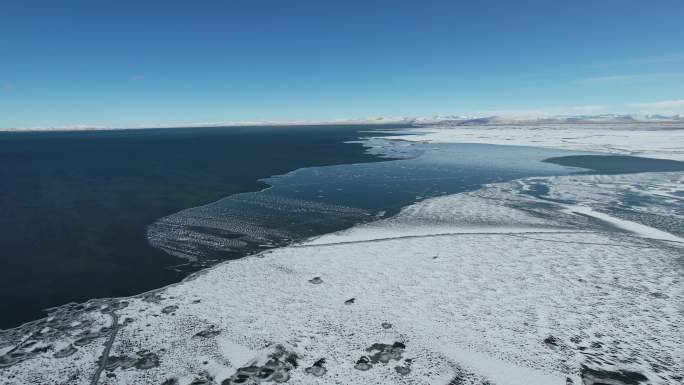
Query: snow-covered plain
{"points": [[647, 139], [513, 284]]}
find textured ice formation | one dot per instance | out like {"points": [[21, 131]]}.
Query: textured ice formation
{"points": [[245, 220], [312, 201]]}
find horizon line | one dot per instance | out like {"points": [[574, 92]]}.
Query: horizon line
{"points": [[416, 120]]}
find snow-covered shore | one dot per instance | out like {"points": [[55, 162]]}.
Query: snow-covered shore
{"points": [[653, 140], [511, 284]]}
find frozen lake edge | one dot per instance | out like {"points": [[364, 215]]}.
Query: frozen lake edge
{"points": [[471, 296]]}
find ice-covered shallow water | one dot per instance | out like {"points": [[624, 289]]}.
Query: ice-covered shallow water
{"points": [[320, 200]]}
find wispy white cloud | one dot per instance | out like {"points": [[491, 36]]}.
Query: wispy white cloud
{"points": [[628, 77], [669, 105], [546, 111]]}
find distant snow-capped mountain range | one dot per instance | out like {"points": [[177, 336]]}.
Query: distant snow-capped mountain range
{"points": [[574, 119], [442, 120]]}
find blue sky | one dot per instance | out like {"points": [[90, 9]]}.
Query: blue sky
{"points": [[124, 62]]}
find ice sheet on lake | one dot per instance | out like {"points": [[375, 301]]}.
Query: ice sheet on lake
{"points": [[655, 200], [319, 200], [502, 285], [243, 220]]}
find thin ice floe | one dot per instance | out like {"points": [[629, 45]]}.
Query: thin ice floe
{"points": [[528, 282]]}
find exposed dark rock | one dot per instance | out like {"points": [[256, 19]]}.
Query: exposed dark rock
{"points": [[276, 369], [596, 345], [604, 377], [291, 359], [264, 373], [112, 363], [42, 349], [211, 331], [349, 301], [384, 353], [386, 325], [660, 295], [152, 298], [249, 370], [551, 340], [65, 351], [82, 341], [87, 337], [202, 381], [147, 360], [464, 378], [317, 369], [320, 362], [406, 369], [13, 358], [169, 309], [123, 362], [363, 363], [281, 376], [316, 280], [403, 370]]}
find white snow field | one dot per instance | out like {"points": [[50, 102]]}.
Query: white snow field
{"points": [[654, 140], [532, 282]]}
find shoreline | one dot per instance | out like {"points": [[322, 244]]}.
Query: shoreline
{"points": [[408, 221], [274, 257], [406, 134], [104, 217], [382, 155]]}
